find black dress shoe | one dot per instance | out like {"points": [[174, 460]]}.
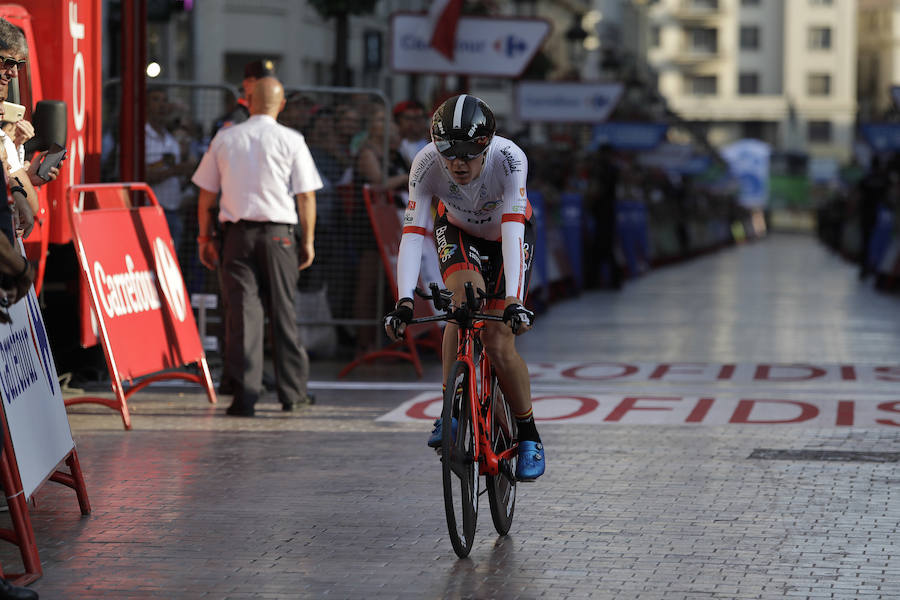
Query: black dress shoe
{"points": [[309, 400], [9, 591], [237, 410]]}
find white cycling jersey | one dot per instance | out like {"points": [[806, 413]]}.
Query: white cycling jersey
{"points": [[494, 206]]}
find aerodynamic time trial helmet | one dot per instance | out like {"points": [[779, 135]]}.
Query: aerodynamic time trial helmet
{"points": [[462, 127]]}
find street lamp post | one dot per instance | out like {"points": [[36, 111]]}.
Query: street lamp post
{"points": [[575, 36]]}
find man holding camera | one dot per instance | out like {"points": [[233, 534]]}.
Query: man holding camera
{"points": [[21, 174], [17, 271]]}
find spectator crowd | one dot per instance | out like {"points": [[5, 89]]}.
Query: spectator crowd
{"points": [[356, 140]]}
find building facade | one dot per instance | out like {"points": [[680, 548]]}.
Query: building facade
{"points": [[878, 61], [783, 71]]}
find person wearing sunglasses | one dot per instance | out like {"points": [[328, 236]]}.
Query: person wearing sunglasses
{"points": [[13, 55], [484, 233]]}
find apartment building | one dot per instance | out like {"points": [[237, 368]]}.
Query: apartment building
{"points": [[783, 71], [878, 60]]}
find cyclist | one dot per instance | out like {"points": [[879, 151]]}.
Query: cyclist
{"points": [[484, 232]]}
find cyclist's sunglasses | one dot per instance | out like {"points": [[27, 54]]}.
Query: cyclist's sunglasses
{"points": [[9, 63], [464, 150]]}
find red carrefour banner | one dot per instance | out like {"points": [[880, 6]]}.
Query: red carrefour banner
{"points": [[69, 46], [140, 299]]}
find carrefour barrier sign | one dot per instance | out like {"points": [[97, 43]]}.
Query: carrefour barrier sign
{"points": [[32, 399], [569, 102], [129, 261], [748, 161], [498, 47]]}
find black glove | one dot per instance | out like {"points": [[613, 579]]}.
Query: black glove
{"points": [[516, 315], [396, 320]]}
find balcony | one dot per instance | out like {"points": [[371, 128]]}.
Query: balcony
{"points": [[699, 11], [687, 57]]}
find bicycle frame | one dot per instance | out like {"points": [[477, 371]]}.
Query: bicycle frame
{"points": [[480, 397], [470, 323]]}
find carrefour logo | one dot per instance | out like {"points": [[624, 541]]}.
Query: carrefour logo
{"points": [[170, 280], [511, 45]]}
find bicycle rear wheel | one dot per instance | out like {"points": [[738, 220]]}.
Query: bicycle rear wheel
{"points": [[460, 470], [501, 488]]}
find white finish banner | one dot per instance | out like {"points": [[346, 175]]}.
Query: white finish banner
{"points": [[571, 102], [32, 399], [489, 46], [748, 160]]}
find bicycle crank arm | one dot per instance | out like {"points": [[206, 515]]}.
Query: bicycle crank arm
{"points": [[507, 471]]}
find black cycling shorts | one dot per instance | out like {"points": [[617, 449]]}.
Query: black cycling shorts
{"points": [[457, 250]]}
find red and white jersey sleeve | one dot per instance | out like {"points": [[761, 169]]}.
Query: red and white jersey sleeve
{"points": [[415, 221], [516, 210]]}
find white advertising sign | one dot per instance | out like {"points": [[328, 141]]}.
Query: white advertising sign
{"points": [[749, 162], [32, 399], [489, 46], [571, 102]]}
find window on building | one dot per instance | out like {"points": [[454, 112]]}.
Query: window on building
{"points": [[818, 131], [704, 40], [703, 85], [706, 4], [820, 38], [655, 36], [750, 2], [821, 2], [818, 84], [749, 37], [748, 83]]}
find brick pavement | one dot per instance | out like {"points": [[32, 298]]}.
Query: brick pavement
{"points": [[329, 503]]}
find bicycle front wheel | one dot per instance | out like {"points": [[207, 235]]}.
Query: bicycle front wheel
{"points": [[501, 488], [460, 470]]}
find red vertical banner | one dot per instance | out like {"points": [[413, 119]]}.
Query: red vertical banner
{"points": [[70, 45]]}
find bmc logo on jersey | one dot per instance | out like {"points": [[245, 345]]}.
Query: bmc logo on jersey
{"points": [[488, 207]]}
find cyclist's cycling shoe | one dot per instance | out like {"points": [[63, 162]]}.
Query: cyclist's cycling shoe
{"points": [[530, 461], [436, 435]]}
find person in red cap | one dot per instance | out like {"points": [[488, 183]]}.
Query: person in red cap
{"points": [[253, 70], [413, 123]]}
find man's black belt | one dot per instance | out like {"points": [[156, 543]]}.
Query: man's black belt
{"points": [[245, 223]]}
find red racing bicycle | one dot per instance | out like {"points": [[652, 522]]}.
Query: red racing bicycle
{"points": [[477, 425]]}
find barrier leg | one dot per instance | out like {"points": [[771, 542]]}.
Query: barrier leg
{"points": [[75, 480], [22, 534], [207, 381], [118, 403]]}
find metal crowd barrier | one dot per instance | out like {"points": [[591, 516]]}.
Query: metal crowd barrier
{"points": [[342, 296]]}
